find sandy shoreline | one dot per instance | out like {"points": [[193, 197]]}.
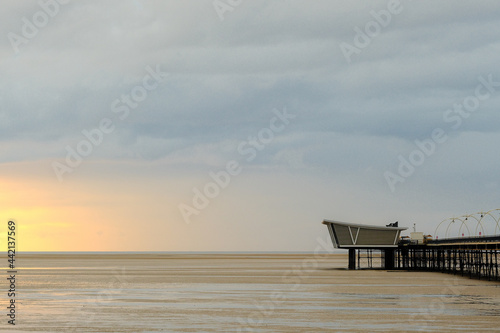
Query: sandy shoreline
{"points": [[243, 292]]}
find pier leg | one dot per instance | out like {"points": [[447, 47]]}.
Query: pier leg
{"points": [[389, 259], [352, 258]]}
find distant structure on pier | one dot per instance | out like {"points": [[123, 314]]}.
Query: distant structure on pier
{"points": [[361, 236], [350, 235]]}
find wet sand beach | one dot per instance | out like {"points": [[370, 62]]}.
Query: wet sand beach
{"points": [[242, 293]]}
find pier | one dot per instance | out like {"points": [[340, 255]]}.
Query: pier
{"points": [[474, 256]]}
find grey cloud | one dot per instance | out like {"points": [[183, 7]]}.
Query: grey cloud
{"points": [[227, 76]]}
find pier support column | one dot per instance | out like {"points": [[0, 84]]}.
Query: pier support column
{"points": [[389, 259], [352, 258]]}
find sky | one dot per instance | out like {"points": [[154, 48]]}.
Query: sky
{"points": [[239, 125]]}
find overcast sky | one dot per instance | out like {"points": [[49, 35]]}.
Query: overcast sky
{"points": [[306, 110]]}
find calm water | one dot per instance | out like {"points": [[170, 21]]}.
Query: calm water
{"points": [[242, 292]]}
